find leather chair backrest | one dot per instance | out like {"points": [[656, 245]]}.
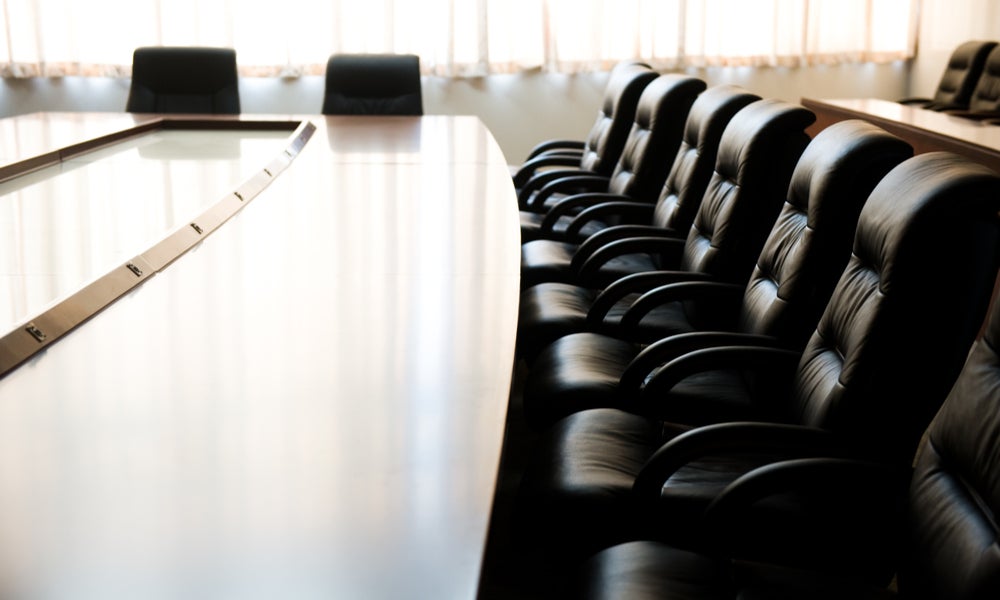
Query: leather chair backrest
{"points": [[685, 185], [373, 84], [986, 95], [961, 74], [607, 136], [757, 154], [655, 136], [173, 79], [952, 550], [811, 240], [907, 307]]}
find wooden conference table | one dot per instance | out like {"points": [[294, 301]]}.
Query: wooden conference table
{"points": [[298, 387], [925, 130]]}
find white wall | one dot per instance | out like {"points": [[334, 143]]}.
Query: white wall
{"points": [[944, 24]]}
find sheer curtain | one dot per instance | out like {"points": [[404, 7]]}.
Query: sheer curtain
{"points": [[455, 37]]}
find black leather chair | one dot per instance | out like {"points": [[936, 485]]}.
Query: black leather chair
{"points": [[984, 104], [946, 547], [676, 205], [172, 79], [373, 84], [757, 153], [883, 357], [642, 167], [795, 273], [959, 78], [599, 152], [575, 148]]}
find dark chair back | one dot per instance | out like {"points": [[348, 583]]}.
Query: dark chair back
{"points": [[681, 194], [907, 308], [951, 550], [986, 95], [810, 242], [606, 140], [373, 84], [655, 136], [757, 154], [184, 80]]}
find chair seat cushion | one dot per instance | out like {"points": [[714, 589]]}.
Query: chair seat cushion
{"points": [[574, 373], [549, 311], [578, 494], [648, 570], [546, 260], [653, 571], [576, 497]]}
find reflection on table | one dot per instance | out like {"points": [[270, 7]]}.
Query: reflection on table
{"points": [[310, 404]]}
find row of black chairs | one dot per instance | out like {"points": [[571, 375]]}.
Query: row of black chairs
{"points": [[970, 84], [729, 379], [204, 80]]}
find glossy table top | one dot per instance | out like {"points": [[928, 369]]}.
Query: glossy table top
{"points": [[927, 130], [309, 404]]}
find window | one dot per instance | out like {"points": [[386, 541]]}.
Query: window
{"points": [[455, 37]]}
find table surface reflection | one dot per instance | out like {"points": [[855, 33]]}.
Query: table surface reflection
{"points": [[309, 404]]}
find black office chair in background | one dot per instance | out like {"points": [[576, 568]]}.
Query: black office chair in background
{"points": [[176, 79], [959, 78], [984, 103], [373, 84]]}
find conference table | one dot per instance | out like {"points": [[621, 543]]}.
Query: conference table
{"points": [[251, 357], [925, 130]]}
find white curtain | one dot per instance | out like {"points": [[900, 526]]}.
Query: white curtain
{"points": [[455, 37]]}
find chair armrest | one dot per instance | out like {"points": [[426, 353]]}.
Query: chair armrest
{"points": [[572, 184], [626, 211], [531, 167], [550, 145], [572, 204], [636, 283], [723, 298], [792, 441], [667, 361], [540, 180], [847, 516], [614, 233], [767, 358], [589, 272]]}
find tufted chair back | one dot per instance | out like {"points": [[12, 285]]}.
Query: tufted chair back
{"points": [[175, 79], [757, 154], [681, 194], [955, 489], [811, 240], [961, 74], [607, 136], [986, 95], [655, 136], [907, 307], [373, 84]]}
